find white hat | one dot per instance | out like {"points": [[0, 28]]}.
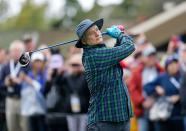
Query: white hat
{"points": [[37, 56], [149, 50]]}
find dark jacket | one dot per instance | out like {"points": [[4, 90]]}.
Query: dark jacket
{"points": [[65, 85], [17, 88], [2, 92], [183, 93], [73, 84]]}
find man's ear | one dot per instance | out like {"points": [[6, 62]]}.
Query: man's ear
{"points": [[83, 40]]}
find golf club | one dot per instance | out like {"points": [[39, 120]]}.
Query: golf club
{"points": [[24, 60]]}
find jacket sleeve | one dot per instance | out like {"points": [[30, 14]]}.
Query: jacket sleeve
{"points": [[106, 57], [183, 91], [151, 86], [4, 74]]}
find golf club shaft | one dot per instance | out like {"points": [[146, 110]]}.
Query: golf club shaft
{"points": [[51, 46], [63, 43], [59, 44]]}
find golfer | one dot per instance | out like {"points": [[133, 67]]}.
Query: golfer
{"points": [[110, 106]]}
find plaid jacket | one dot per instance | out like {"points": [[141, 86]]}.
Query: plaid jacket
{"points": [[110, 99]]}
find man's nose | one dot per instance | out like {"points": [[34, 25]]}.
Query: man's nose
{"points": [[97, 33]]}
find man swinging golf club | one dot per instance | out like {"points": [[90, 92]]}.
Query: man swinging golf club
{"points": [[110, 106]]}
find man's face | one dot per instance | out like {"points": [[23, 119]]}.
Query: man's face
{"points": [[76, 68], [30, 46], [173, 68], [38, 65], [151, 60], [93, 36]]}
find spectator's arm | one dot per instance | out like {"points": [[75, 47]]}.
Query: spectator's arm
{"points": [[150, 88]]}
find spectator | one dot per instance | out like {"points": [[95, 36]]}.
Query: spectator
{"points": [[13, 84], [30, 43], [54, 94], [182, 62], [182, 59], [2, 92], [142, 43], [76, 94], [141, 75], [174, 45], [46, 52], [183, 98], [168, 85], [2, 57], [33, 101], [56, 61]]}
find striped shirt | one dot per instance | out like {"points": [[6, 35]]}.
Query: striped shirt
{"points": [[109, 99]]}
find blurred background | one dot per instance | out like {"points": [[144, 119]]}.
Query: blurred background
{"points": [[60, 99], [58, 19]]}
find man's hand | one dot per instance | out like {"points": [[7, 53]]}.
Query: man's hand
{"points": [[173, 99], [7, 81], [11, 81], [15, 80], [25, 78], [149, 101], [113, 31], [160, 91]]}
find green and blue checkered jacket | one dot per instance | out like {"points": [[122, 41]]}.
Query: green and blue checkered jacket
{"points": [[109, 99]]}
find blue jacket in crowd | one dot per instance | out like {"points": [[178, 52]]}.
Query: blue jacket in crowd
{"points": [[164, 80]]}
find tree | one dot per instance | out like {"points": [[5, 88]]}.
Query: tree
{"points": [[70, 10], [3, 9], [31, 16]]}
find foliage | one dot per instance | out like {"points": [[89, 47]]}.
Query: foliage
{"points": [[31, 17], [3, 8]]}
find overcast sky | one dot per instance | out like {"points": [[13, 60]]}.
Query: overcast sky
{"points": [[55, 5]]}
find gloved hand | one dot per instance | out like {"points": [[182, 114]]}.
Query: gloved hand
{"points": [[113, 31]]}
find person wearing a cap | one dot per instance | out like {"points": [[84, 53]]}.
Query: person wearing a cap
{"points": [[75, 94], [10, 80], [33, 104], [110, 106], [145, 71], [167, 85], [29, 42]]}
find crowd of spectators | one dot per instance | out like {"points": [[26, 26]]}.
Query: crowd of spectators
{"points": [[51, 93]]}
